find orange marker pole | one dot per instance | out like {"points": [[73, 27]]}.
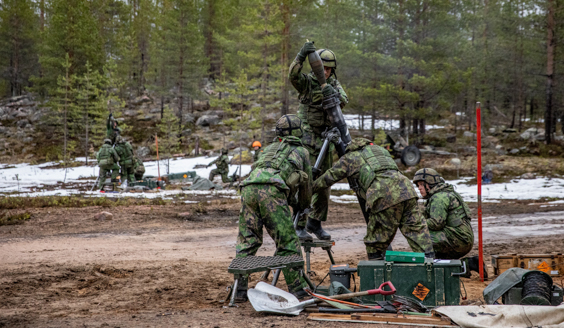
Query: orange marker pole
{"points": [[479, 178], [158, 165]]}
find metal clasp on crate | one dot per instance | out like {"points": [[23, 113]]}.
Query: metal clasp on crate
{"points": [[429, 266]]}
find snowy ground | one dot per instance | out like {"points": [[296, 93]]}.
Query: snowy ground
{"points": [[354, 122], [35, 180], [30, 180]]}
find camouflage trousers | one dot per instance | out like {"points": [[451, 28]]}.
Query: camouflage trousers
{"points": [[265, 205], [319, 200], [127, 173], [104, 170], [224, 175], [453, 242], [383, 225]]}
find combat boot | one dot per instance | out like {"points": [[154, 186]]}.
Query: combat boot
{"points": [[314, 226], [241, 292], [297, 290], [303, 235], [377, 256]]}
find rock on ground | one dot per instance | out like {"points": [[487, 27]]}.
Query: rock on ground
{"points": [[102, 216]]}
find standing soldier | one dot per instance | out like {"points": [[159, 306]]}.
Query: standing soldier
{"points": [[222, 164], [315, 121], [138, 168], [447, 215], [390, 198], [256, 146], [280, 178], [125, 152], [112, 129], [107, 161]]}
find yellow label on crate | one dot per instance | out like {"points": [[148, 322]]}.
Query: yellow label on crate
{"points": [[185, 176], [420, 291], [543, 267]]}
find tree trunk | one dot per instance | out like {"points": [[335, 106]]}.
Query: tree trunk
{"points": [[550, 47], [210, 47], [284, 58]]}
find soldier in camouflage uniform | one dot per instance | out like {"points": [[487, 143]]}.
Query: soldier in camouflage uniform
{"points": [[107, 161], [390, 198], [112, 129], [448, 217], [315, 121], [222, 164], [281, 178], [138, 168], [125, 152]]}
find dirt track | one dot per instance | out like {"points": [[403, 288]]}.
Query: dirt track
{"points": [[146, 267]]}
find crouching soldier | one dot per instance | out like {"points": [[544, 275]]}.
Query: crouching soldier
{"points": [[390, 198], [222, 167], [282, 173], [138, 168], [107, 161]]}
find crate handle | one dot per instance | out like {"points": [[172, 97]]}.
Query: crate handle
{"points": [[463, 270]]}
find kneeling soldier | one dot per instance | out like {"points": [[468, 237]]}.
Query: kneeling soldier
{"points": [[390, 198], [282, 172], [448, 217]]}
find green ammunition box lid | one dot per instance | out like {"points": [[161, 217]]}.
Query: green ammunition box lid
{"points": [[405, 257]]}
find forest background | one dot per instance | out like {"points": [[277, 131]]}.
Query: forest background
{"points": [[413, 60]]}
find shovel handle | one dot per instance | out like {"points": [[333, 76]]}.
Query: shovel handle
{"points": [[380, 290]]}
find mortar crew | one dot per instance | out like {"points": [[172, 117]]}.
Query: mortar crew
{"points": [[390, 198], [281, 178], [138, 168], [112, 129], [107, 161], [447, 215], [125, 152], [314, 122], [222, 167], [257, 146]]}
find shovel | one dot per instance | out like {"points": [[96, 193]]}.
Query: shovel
{"points": [[267, 298]]}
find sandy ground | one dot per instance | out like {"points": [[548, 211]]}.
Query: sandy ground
{"points": [[146, 267]]}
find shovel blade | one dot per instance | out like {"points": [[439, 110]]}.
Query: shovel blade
{"points": [[267, 298]]}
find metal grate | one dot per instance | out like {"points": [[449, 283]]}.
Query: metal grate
{"points": [[249, 264]]}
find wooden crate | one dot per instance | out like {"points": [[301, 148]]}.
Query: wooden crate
{"points": [[553, 264]]}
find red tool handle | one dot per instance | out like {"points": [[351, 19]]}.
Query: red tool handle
{"points": [[381, 290]]}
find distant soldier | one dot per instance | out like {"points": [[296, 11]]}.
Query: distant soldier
{"points": [[107, 161], [138, 168], [222, 167], [112, 129], [281, 177], [257, 146], [125, 152], [448, 216], [315, 121], [390, 198]]}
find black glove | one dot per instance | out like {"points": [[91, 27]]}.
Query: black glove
{"points": [[328, 90], [307, 48]]}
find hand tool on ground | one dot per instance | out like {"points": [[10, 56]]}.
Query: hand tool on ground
{"points": [[267, 298]]}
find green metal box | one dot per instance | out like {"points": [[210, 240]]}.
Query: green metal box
{"points": [[432, 283], [406, 257]]}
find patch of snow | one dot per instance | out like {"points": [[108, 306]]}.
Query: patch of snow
{"points": [[354, 122]]}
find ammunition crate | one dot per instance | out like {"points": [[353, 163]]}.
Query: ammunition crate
{"points": [[431, 283], [552, 264]]}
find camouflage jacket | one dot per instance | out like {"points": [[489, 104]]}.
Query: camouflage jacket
{"points": [[111, 130], [286, 165], [125, 152], [445, 208], [107, 155], [138, 164], [388, 188], [256, 155], [310, 111], [222, 163]]}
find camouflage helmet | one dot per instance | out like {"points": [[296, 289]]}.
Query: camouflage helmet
{"points": [[328, 57], [120, 139], [224, 151], [289, 125], [108, 141], [430, 176], [357, 144]]}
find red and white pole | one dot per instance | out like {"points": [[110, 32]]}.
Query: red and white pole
{"points": [[479, 178]]}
